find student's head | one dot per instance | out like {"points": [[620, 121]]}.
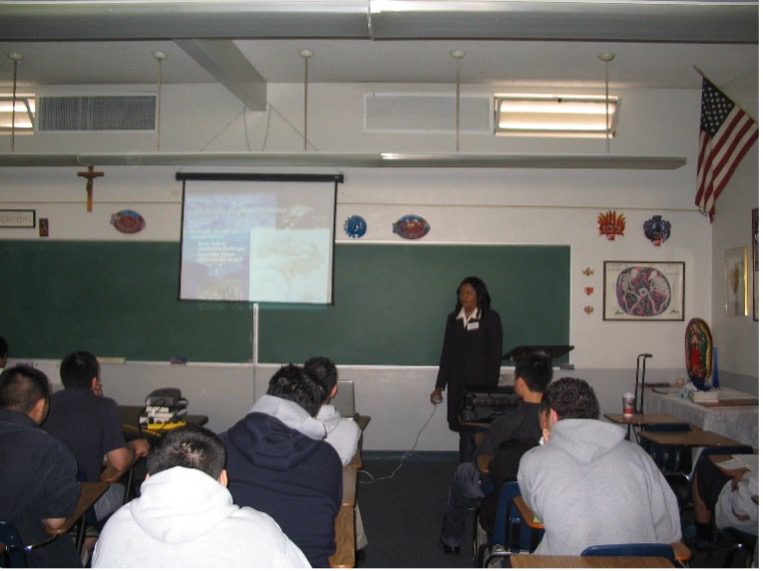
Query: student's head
{"points": [[78, 370], [3, 353], [25, 389], [472, 292], [569, 398], [190, 447], [323, 371], [535, 371], [293, 383]]}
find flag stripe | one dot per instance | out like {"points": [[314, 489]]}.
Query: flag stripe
{"points": [[726, 135]]}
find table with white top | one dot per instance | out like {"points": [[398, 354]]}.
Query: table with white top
{"points": [[735, 416]]}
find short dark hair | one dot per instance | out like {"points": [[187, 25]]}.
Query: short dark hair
{"points": [[570, 398], [323, 371], [21, 387], [191, 446], [291, 382], [3, 347], [536, 371], [78, 369]]}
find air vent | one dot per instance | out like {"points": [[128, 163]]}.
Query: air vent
{"points": [[97, 113], [426, 113]]}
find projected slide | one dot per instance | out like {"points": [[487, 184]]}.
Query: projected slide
{"points": [[258, 241]]}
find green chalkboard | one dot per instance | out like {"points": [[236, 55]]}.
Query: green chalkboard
{"points": [[120, 299], [117, 299], [391, 301]]}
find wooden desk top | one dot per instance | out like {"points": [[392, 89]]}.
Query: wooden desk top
{"points": [[527, 514], [89, 492], [562, 561], [344, 523], [692, 437], [641, 419], [680, 551]]}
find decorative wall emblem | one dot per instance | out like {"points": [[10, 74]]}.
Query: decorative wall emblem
{"points": [[657, 230], [588, 272], [588, 309], [611, 224], [355, 226], [588, 290], [411, 227], [128, 221]]}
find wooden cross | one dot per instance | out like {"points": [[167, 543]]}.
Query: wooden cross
{"points": [[89, 174]]}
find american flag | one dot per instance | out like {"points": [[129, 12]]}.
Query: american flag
{"points": [[726, 133]]}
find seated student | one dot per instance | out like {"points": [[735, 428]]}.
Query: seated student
{"points": [[342, 433], [728, 500], [587, 484], [185, 516], [38, 479], [506, 439], [91, 427], [279, 463]]}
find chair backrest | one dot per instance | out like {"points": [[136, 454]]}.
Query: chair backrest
{"points": [[669, 459], [633, 549], [509, 490], [11, 547], [668, 427]]}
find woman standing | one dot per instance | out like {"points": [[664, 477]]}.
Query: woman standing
{"points": [[471, 353]]}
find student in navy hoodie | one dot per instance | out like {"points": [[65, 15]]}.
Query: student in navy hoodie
{"points": [[279, 463]]}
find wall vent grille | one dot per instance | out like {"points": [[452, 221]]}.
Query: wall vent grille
{"points": [[97, 113], [426, 113]]}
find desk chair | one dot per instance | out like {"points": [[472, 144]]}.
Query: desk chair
{"points": [[674, 462], [12, 549], [741, 543], [510, 535], [634, 549]]}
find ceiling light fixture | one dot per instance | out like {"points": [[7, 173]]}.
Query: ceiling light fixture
{"points": [[606, 58], [458, 55], [15, 57], [159, 56], [306, 55], [555, 115]]}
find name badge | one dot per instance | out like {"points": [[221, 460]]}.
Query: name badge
{"points": [[472, 325]]}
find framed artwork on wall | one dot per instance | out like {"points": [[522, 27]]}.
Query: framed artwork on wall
{"points": [[643, 291], [736, 281], [755, 282]]}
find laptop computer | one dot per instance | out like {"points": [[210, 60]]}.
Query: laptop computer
{"points": [[344, 401]]}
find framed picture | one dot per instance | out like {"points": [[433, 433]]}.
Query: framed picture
{"points": [[12, 218], [643, 291], [755, 282], [736, 281]]}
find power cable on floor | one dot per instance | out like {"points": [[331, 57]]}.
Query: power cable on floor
{"points": [[402, 458]]}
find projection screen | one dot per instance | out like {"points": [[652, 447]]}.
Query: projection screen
{"points": [[258, 240]]}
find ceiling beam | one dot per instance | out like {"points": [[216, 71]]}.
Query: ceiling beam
{"points": [[225, 62], [687, 21], [333, 160]]}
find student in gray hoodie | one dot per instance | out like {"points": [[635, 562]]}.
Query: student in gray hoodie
{"points": [[587, 484]]}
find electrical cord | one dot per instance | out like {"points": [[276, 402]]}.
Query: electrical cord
{"points": [[402, 458]]}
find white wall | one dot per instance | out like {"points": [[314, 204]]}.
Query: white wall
{"points": [[505, 206], [737, 337]]}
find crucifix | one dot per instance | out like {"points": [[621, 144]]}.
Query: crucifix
{"points": [[89, 174]]}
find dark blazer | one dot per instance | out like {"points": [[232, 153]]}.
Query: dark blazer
{"points": [[470, 356]]}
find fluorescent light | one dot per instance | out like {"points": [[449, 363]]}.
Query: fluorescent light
{"points": [[24, 116], [555, 115]]}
